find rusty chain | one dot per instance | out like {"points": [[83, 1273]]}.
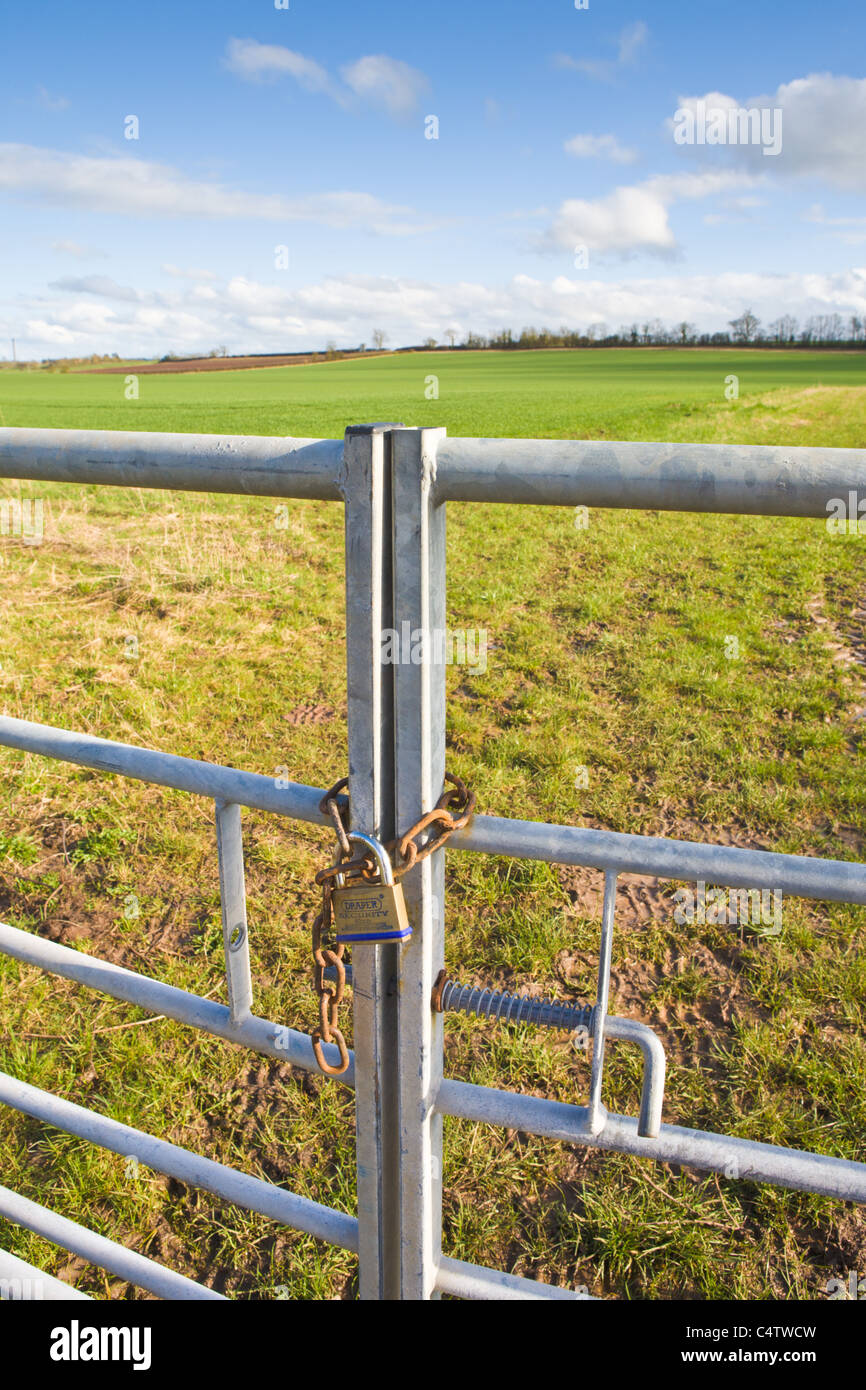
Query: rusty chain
{"points": [[451, 813]]}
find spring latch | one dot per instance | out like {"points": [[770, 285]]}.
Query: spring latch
{"points": [[449, 996]]}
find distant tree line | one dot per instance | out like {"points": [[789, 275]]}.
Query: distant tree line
{"points": [[821, 330], [818, 331]]}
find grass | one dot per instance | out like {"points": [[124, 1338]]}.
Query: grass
{"points": [[618, 393], [610, 652]]}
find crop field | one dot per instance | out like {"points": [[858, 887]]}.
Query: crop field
{"points": [[616, 394], [697, 677]]}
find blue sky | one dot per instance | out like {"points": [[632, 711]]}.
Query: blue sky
{"points": [[554, 194]]}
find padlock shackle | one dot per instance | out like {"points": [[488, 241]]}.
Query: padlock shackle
{"points": [[379, 853]]}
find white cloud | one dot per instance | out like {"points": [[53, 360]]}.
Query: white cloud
{"points": [[629, 44], [634, 217], [817, 214], [79, 251], [251, 316], [50, 335], [387, 83], [626, 220], [101, 285], [141, 188], [631, 40], [256, 62], [853, 231], [823, 129], [51, 101], [702, 184], [600, 147]]}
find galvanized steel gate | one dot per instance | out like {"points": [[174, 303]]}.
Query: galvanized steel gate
{"points": [[394, 483]]}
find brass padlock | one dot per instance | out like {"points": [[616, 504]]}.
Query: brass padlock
{"points": [[371, 912]]}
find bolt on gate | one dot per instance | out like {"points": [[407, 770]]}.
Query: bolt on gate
{"points": [[394, 483]]}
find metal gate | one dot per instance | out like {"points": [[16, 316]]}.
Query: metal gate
{"points": [[394, 483]]}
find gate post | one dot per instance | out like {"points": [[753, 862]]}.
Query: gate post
{"points": [[369, 609], [395, 579], [419, 770]]}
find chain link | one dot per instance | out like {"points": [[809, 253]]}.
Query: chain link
{"points": [[463, 802], [451, 812], [329, 999]]}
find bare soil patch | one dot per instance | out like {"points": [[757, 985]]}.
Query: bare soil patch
{"points": [[221, 364]]}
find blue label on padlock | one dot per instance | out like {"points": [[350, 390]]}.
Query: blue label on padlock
{"points": [[346, 938]]}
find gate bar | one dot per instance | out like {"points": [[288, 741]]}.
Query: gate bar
{"points": [[748, 479], [98, 1250], [227, 784], [370, 720], [597, 1111], [257, 465], [831, 880], [241, 1189], [336, 1227], [756, 480], [47, 1289], [233, 901], [753, 1161], [828, 880], [259, 1034], [419, 601], [833, 1177], [462, 1280]]}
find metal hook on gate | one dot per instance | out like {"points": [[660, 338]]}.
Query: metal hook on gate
{"points": [[594, 1022], [654, 1064], [449, 996], [597, 1112]]}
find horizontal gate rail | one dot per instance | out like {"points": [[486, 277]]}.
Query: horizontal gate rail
{"points": [[20, 1281], [830, 880], [753, 1161], [118, 1259], [241, 1189], [258, 1034], [843, 1178], [166, 770], [462, 1280], [258, 466], [756, 480], [338, 1228]]}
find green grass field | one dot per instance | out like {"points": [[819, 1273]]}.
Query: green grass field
{"points": [[610, 652], [620, 394]]}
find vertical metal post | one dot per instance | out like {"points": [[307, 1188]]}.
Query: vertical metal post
{"points": [[233, 897], [596, 1109], [369, 611], [419, 710]]}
